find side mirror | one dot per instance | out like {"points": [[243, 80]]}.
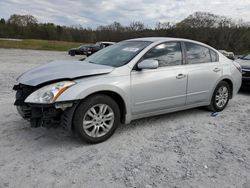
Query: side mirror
{"points": [[148, 64]]}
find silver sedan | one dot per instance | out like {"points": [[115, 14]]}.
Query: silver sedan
{"points": [[129, 80]]}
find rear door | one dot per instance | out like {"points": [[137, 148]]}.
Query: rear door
{"points": [[203, 69]]}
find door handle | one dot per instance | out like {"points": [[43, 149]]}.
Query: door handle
{"points": [[216, 69], [180, 76]]}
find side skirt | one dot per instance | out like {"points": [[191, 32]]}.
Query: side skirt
{"points": [[129, 118]]}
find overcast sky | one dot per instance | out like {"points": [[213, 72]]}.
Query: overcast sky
{"points": [[91, 13]]}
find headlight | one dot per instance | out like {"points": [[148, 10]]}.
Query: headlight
{"points": [[50, 93]]}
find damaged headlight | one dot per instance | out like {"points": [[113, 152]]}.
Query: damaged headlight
{"points": [[49, 94]]}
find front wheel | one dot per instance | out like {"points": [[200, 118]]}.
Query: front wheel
{"points": [[72, 53], [96, 118], [220, 97]]}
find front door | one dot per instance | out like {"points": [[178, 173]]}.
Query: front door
{"points": [[161, 88]]}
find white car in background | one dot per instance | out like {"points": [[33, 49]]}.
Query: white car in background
{"points": [[229, 55]]}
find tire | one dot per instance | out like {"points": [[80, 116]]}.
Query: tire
{"points": [[99, 126], [224, 89], [72, 53]]}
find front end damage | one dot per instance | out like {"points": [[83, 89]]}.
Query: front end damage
{"points": [[44, 115]]}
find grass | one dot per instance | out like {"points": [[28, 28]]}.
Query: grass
{"points": [[38, 44]]}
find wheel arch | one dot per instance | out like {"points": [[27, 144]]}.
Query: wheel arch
{"points": [[226, 79], [230, 83], [117, 98]]}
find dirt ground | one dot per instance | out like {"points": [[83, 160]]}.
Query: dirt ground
{"points": [[183, 149]]}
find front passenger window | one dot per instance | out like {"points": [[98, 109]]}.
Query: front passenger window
{"points": [[168, 54]]}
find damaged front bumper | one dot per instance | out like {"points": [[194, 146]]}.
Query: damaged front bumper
{"points": [[44, 115], [48, 115]]}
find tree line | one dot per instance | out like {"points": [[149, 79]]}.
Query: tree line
{"points": [[217, 31]]}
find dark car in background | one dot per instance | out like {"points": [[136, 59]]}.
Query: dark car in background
{"points": [[78, 51], [96, 47], [244, 61], [89, 49]]}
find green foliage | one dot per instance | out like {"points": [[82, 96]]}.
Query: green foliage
{"points": [[217, 31], [38, 44], [22, 20]]}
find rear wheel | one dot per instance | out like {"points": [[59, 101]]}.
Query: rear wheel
{"points": [[220, 97], [96, 118]]}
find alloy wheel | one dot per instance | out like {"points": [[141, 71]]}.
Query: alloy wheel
{"points": [[221, 96], [98, 120]]}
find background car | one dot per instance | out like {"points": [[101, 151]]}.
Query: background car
{"points": [[96, 47], [229, 55], [78, 51], [244, 61], [130, 80], [89, 49]]}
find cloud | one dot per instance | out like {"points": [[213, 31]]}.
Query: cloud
{"points": [[93, 13]]}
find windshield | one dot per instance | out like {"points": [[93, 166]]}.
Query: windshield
{"points": [[247, 57], [118, 54]]}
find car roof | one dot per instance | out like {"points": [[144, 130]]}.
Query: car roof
{"points": [[159, 39], [166, 39]]}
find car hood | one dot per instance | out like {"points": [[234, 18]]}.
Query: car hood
{"points": [[60, 70], [243, 63]]}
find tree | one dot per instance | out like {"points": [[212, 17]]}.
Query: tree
{"points": [[163, 25], [22, 20], [136, 26], [115, 26], [218, 31], [2, 21], [205, 19]]}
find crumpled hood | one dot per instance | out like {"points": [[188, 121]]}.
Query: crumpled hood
{"points": [[58, 70], [243, 63]]}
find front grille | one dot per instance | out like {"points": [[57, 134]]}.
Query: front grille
{"points": [[246, 72]]}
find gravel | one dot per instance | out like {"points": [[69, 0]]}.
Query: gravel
{"points": [[183, 149]]}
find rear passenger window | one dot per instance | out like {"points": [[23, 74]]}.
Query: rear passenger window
{"points": [[168, 54], [197, 54], [214, 56]]}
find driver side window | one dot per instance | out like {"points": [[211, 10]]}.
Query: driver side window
{"points": [[168, 54]]}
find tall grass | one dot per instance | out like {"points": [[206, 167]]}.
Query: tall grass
{"points": [[38, 44]]}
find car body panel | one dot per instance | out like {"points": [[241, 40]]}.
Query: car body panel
{"points": [[201, 81], [157, 89], [59, 70]]}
